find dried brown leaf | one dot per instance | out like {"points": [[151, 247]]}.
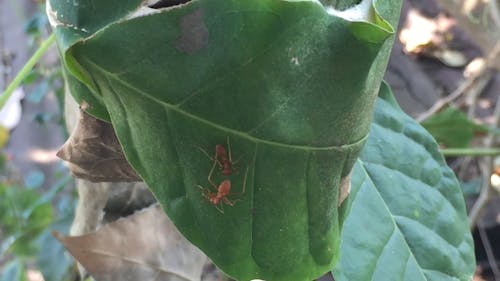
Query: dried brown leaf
{"points": [[94, 153], [144, 246]]}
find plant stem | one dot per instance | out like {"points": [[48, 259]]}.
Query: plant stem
{"points": [[26, 69], [470, 151]]}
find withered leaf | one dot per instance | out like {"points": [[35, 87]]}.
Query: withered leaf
{"points": [[94, 153], [144, 246]]}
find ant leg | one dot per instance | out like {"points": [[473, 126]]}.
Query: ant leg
{"points": [[229, 150], [244, 183], [219, 209], [209, 157], [210, 176], [205, 192], [230, 202], [234, 168], [230, 155], [238, 160]]}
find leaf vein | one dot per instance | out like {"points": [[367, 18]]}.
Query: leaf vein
{"points": [[232, 131], [136, 262], [386, 243], [395, 225]]}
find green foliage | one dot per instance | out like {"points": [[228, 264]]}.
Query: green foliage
{"points": [[43, 78], [37, 23], [52, 260], [407, 220], [13, 271], [453, 128], [288, 90], [30, 212], [27, 219], [472, 187], [23, 218], [292, 88]]}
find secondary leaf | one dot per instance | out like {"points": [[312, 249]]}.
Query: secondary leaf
{"points": [[52, 259], [13, 271], [284, 86], [407, 220], [143, 246], [453, 128], [23, 216]]}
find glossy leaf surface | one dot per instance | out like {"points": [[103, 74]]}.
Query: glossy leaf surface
{"points": [[284, 87], [407, 219]]}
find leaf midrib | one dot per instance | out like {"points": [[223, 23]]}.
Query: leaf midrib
{"points": [[396, 227], [220, 127]]}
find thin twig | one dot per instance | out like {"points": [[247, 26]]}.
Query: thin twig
{"points": [[484, 195], [486, 170], [489, 252], [475, 91], [464, 87]]}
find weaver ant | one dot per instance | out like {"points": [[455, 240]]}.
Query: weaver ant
{"points": [[223, 158], [223, 190]]}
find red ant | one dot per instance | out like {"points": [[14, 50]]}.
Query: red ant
{"points": [[223, 190], [223, 158]]}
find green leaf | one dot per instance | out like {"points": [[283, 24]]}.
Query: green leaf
{"points": [[23, 216], [92, 103], [407, 218], [453, 128], [75, 20], [34, 179], [52, 260], [32, 77], [285, 87], [36, 23], [13, 271], [472, 187], [39, 92]]}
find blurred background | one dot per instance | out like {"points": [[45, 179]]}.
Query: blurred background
{"points": [[443, 71]]}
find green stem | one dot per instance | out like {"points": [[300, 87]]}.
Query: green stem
{"points": [[470, 151], [26, 69]]}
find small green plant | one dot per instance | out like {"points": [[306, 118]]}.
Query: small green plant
{"points": [[27, 218], [30, 212]]}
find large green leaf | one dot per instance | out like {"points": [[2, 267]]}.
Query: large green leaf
{"points": [[407, 220], [287, 85], [75, 20]]}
